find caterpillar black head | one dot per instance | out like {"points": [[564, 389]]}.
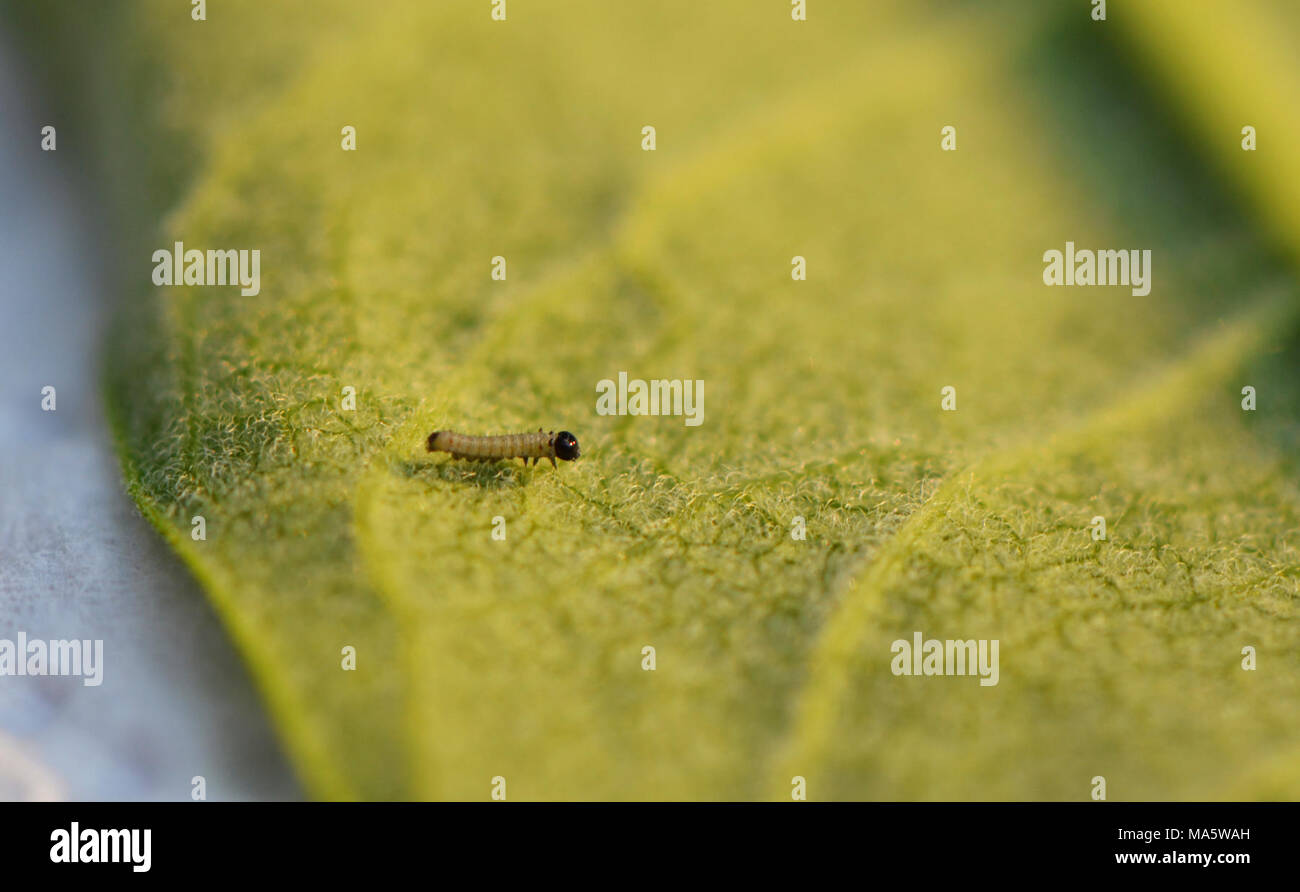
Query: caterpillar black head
{"points": [[566, 446]]}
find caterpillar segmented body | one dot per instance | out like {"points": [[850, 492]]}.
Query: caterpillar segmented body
{"points": [[543, 444]]}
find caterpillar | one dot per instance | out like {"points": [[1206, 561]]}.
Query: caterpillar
{"points": [[563, 446]]}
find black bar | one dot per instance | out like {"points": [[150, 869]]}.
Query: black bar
{"points": [[806, 840]]}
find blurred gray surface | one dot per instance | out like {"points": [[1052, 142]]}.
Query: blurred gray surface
{"points": [[76, 559]]}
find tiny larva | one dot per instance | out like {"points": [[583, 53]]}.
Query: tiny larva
{"points": [[563, 446]]}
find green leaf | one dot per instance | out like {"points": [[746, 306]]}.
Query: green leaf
{"points": [[479, 658]]}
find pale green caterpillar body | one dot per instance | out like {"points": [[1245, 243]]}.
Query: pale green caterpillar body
{"points": [[543, 444]]}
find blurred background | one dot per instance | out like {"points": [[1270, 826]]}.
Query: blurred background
{"points": [[76, 559]]}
